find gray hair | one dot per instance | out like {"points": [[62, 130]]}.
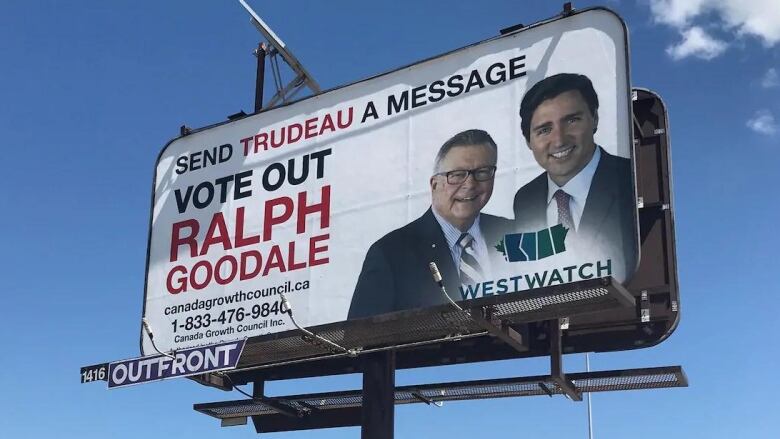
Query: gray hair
{"points": [[464, 138]]}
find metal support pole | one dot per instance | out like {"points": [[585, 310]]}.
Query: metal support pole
{"points": [[556, 362], [556, 351], [258, 391], [378, 414], [260, 78], [590, 418]]}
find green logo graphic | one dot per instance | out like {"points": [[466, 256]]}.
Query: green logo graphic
{"points": [[532, 246]]}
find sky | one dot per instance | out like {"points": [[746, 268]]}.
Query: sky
{"points": [[91, 91]]}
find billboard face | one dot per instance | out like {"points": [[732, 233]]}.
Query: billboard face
{"points": [[340, 201]]}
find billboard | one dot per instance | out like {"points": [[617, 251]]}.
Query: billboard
{"points": [[508, 163]]}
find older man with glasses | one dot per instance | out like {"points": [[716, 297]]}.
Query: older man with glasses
{"points": [[453, 233]]}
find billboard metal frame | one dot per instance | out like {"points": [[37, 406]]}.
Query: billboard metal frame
{"points": [[483, 351], [654, 300], [642, 314]]}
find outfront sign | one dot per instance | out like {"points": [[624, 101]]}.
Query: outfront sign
{"points": [[182, 363], [507, 163]]}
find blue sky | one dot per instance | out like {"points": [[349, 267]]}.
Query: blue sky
{"points": [[90, 92]]}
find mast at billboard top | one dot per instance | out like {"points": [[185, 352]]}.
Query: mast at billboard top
{"points": [[277, 47]]}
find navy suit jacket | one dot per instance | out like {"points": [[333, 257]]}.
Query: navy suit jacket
{"points": [[608, 219], [395, 274]]}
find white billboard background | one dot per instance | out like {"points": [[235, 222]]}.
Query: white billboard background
{"points": [[378, 171]]}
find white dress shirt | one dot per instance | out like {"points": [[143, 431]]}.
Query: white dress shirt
{"points": [[577, 188], [452, 234]]}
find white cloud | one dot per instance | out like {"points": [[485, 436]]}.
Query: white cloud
{"points": [[696, 42], [676, 13], [757, 18], [763, 122], [770, 79]]}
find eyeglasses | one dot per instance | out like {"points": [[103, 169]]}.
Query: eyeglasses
{"points": [[458, 176]]}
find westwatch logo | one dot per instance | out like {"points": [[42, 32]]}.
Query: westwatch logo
{"points": [[532, 246]]}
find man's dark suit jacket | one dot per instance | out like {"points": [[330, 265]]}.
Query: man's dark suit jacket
{"points": [[395, 274], [608, 217]]}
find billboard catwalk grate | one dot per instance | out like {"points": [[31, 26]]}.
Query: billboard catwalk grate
{"points": [[598, 381], [435, 323]]}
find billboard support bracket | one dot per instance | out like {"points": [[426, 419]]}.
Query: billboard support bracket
{"points": [[345, 408], [499, 329], [276, 47], [546, 389], [556, 363], [276, 404]]}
